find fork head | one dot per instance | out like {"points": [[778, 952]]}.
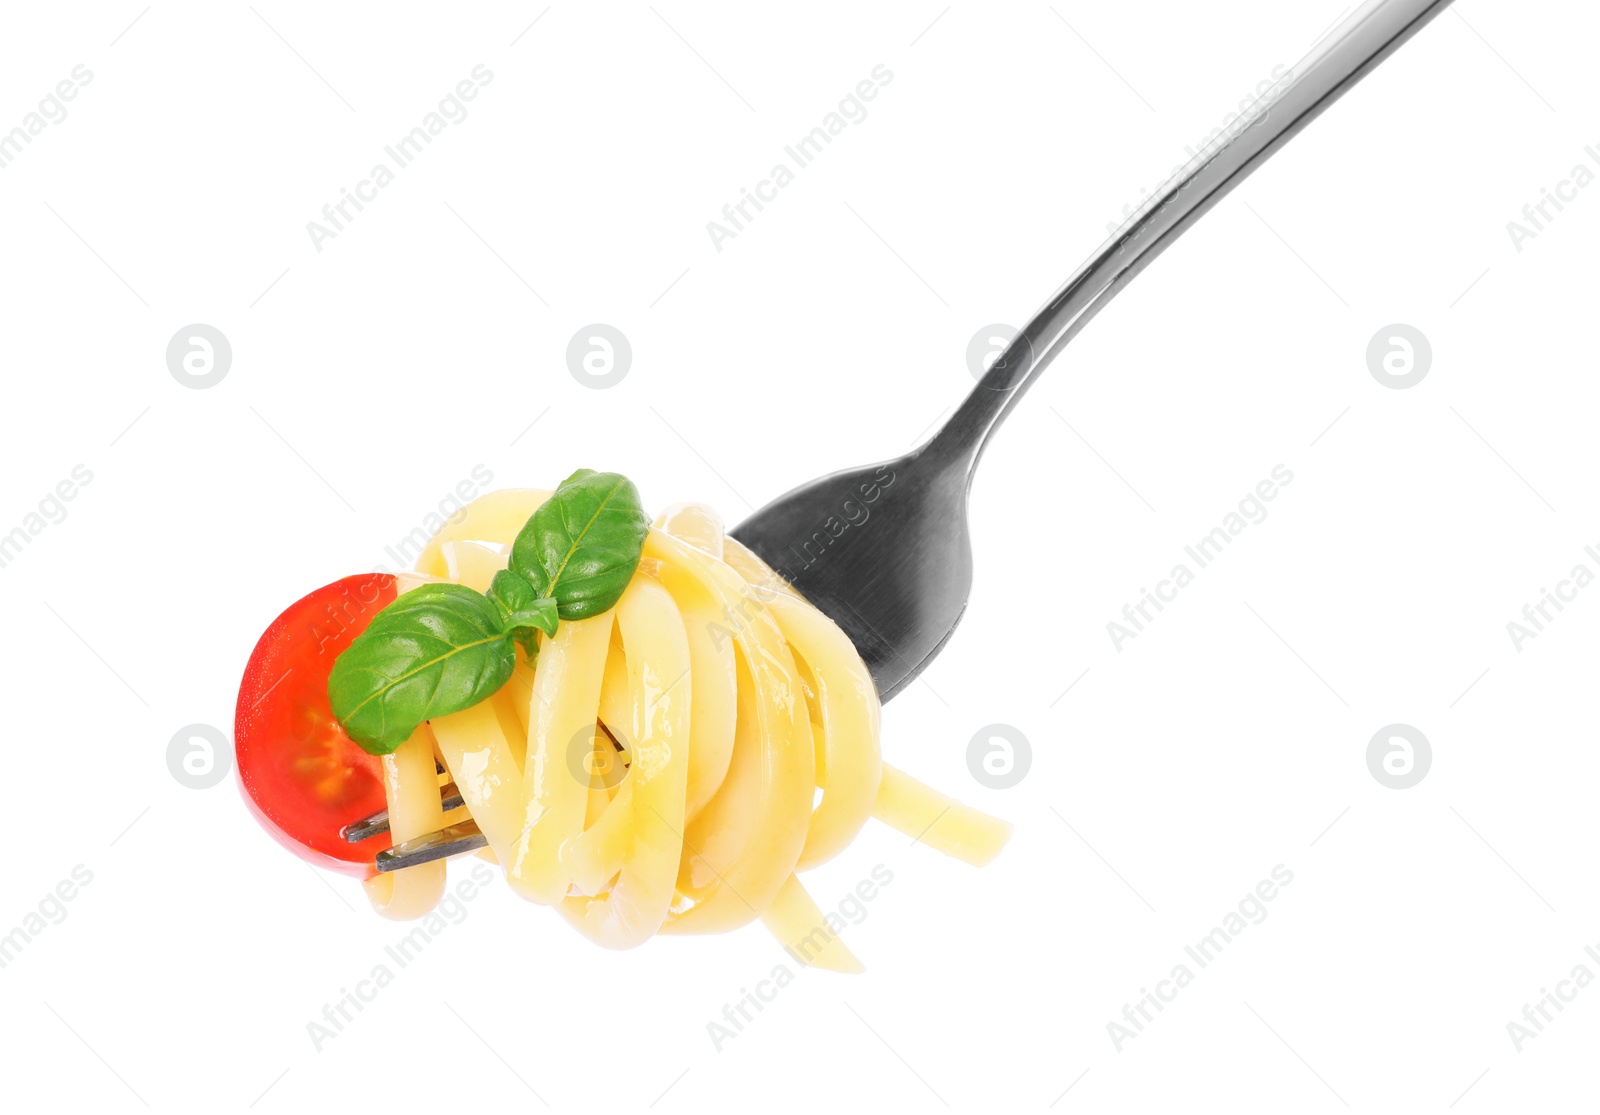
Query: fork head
{"points": [[883, 551]]}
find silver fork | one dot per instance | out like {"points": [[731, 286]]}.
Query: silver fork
{"points": [[884, 550], [897, 575]]}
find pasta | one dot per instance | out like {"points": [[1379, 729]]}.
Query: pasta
{"points": [[667, 766]]}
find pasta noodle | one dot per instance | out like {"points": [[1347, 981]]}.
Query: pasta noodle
{"points": [[667, 766]]}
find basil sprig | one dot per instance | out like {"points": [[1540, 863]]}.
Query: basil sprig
{"points": [[434, 650], [525, 609], [583, 544], [441, 648]]}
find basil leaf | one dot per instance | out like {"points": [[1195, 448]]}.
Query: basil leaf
{"points": [[435, 650], [582, 546], [524, 608]]}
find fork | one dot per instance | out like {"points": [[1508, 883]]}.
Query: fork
{"points": [[894, 571], [884, 551]]}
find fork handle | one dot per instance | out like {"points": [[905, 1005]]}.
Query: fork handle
{"points": [[1332, 66]]}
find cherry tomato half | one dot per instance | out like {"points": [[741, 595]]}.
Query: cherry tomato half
{"points": [[302, 776]]}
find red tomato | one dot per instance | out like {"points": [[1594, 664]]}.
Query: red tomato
{"points": [[302, 776]]}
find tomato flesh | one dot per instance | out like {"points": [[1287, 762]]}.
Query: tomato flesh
{"points": [[302, 776]]}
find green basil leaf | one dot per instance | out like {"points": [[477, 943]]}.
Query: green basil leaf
{"points": [[582, 546], [437, 649], [524, 608], [542, 615]]}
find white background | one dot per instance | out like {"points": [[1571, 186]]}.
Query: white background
{"points": [[370, 377]]}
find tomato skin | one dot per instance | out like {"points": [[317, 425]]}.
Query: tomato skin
{"points": [[301, 775]]}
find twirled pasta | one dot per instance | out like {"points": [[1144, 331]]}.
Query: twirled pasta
{"points": [[731, 701]]}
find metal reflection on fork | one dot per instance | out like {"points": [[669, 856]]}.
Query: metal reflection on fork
{"points": [[899, 588], [452, 840]]}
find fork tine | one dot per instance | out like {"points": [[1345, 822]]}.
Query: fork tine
{"points": [[452, 840], [371, 826]]}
